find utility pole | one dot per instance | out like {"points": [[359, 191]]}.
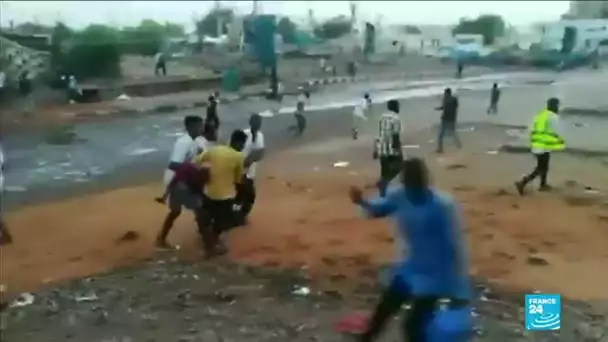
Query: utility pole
{"points": [[219, 23], [255, 9]]}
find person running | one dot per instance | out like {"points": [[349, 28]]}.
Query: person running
{"points": [[179, 194], [253, 151], [360, 114], [449, 117], [434, 268], [388, 146], [212, 120], [224, 166], [300, 126], [160, 65], [545, 137], [494, 98], [5, 235]]}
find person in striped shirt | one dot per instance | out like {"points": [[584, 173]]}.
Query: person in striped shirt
{"points": [[388, 146]]}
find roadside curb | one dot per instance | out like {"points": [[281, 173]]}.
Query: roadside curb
{"points": [[161, 109]]}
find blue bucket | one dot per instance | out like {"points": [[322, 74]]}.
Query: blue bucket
{"points": [[450, 325]]}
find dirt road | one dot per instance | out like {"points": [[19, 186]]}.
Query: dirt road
{"points": [[551, 242]]}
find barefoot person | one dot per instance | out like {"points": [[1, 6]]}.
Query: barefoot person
{"points": [[253, 152], [545, 138], [5, 235], [434, 267], [177, 190], [225, 169]]}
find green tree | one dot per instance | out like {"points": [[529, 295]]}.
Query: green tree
{"points": [[59, 38], [334, 28], [94, 52], [490, 26], [287, 29], [148, 37], [209, 24]]}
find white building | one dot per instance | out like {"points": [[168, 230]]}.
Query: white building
{"points": [[588, 9], [589, 33]]}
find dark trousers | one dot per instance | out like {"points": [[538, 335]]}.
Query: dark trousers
{"points": [[390, 167], [160, 67], [245, 197], [391, 301], [493, 109], [217, 217], [447, 128], [541, 170]]}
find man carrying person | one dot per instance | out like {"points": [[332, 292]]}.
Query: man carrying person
{"points": [[388, 146], [253, 152], [494, 98], [449, 117], [224, 165], [545, 137], [360, 114], [177, 192]]}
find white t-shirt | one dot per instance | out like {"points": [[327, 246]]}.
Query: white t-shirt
{"points": [[184, 149], [554, 124], [2, 79], [361, 109], [251, 146]]}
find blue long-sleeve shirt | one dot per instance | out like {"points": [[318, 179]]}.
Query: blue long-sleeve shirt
{"points": [[436, 263]]}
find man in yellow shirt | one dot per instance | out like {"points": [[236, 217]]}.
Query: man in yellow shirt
{"points": [[225, 169]]}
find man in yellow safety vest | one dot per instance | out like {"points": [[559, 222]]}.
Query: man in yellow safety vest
{"points": [[545, 137]]}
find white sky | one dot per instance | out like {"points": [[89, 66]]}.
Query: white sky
{"points": [[82, 13]]}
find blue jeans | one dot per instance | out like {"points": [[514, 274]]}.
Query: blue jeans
{"points": [[447, 128]]}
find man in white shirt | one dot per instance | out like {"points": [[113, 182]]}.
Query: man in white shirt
{"points": [[253, 151], [360, 114], [185, 148], [5, 235]]}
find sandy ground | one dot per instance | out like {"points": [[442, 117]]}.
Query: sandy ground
{"points": [[313, 224], [552, 242]]}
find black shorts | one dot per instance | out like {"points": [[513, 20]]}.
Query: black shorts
{"points": [[220, 214], [390, 167]]}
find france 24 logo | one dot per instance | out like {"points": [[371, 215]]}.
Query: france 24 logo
{"points": [[543, 312]]}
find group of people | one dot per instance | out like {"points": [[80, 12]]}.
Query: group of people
{"points": [[433, 276], [215, 181]]}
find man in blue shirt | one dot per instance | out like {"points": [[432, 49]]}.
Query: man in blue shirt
{"points": [[435, 266]]}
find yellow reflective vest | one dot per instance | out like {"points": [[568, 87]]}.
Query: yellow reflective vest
{"points": [[542, 136]]}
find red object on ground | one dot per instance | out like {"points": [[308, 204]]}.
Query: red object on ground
{"points": [[354, 323]]}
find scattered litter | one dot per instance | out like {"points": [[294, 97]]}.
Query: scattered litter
{"points": [[493, 152], [353, 173], [301, 291], [267, 114], [316, 168], [123, 97], [341, 164], [514, 133], [24, 299], [91, 297], [410, 146], [591, 191]]}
